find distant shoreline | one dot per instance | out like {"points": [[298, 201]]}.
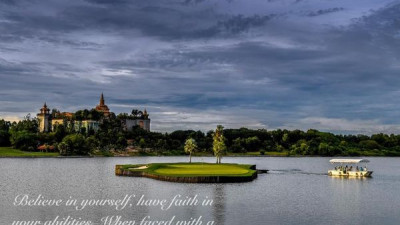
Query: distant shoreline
{"points": [[8, 152], [166, 156]]}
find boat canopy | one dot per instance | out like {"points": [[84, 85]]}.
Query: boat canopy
{"points": [[348, 160]]}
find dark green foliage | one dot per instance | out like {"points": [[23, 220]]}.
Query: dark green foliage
{"points": [[23, 135], [369, 144], [24, 140], [112, 136], [4, 138], [237, 146], [92, 143], [27, 124], [252, 144], [47, 138], [135, 114], [74, 144], [86, 114], [4, 133], [59, 133]]}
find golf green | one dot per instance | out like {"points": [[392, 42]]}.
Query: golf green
{"points": [[190, 172]]}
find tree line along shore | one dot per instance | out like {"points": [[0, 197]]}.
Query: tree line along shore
{"points": [[24, 139]]}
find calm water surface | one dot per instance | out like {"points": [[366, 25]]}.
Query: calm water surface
{"points": [[296, 191]]}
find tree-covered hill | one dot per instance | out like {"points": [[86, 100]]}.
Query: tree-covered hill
{"points": [[111, 136]]}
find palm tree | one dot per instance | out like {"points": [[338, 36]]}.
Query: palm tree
{"points": [[190, 147], [219, 143], [135, 113]]}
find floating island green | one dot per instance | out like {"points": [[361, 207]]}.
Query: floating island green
{"points": [[190, 172]]}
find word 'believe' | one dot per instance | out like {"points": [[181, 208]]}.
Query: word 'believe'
{"points": [[118, 204]]}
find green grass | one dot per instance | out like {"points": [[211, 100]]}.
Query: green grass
{"points": [[11, 152], [201, 169], [194, 169], [276, 153], [258, 154]]}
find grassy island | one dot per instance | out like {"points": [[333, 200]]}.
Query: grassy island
{"points": [[190, 172]]}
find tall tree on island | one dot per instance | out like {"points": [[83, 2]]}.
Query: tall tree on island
{"points": [[219, 143], [190, 147]]}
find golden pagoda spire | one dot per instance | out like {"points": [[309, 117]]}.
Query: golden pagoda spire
{"points": [[145, 114], [102, 99], [102, 107]]}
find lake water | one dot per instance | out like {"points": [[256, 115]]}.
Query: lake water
{"points": [[296, 191]]}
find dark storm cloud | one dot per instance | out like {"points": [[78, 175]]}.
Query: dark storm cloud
{"points": [[325, 11], [289, 64], [164, 20], [238, 24], [194, 1]]}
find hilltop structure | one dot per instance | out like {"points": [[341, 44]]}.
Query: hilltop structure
{"points": [[103, 107], [44, 119], [49, 121], [142, 120]]}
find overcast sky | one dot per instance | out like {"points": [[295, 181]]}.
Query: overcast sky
{"points": [[332, 65]]}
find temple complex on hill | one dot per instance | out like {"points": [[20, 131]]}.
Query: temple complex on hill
{"points": [[49, 121]]}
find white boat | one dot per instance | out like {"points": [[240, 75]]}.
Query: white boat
{"points": [[350, 171]]}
